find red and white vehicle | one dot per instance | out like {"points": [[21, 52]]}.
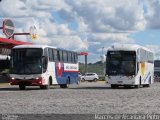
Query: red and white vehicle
{"points": [[42, 65]]}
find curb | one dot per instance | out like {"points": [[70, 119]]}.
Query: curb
{"points": [[4, 84]]}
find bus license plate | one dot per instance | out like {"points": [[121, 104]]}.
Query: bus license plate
{"points": [[120, 81]]}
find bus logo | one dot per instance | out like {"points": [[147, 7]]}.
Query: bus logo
{"points": [[142, 68], [59, 69]]}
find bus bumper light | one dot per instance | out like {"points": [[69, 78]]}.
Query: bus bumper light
{"points": [[119, 81]]}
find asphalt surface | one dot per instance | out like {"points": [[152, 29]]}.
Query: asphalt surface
{"points": [[83, 100]]}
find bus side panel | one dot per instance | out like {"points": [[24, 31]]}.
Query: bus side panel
{"points": [[51, 72], [71, 70], [66, 73], [145, 74]]}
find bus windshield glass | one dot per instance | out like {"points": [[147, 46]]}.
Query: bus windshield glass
{"points": [[26, 61], [121, 63]]}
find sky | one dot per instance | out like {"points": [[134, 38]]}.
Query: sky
{"points": [[86, 25]]}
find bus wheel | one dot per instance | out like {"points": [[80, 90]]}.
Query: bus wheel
{"points": [[64, 86], [67, 83], [126, 86], [140, 83], [22, 87], [113, 86], [41, 87], [148, 85], [137, 86], [45, 86]]}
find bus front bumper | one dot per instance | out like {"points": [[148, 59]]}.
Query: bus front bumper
{"points": [[30, 82], [129, 80]]}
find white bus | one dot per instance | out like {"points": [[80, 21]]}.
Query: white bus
{"points": [[42, 65], [129, 65]]}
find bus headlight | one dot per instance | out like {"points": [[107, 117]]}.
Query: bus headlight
{"points": [[38, 78], [12, 78]]}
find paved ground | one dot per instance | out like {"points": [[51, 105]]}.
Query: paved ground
{"points": [[86, 98]]}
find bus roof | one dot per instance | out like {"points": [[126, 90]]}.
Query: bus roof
{"points": [[39, 46], [126, 47], [32, 46]]}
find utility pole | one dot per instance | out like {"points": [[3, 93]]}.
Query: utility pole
{"points": [[102, 59]]}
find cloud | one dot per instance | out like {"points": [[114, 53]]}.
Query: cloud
{"points": [[103, 16], [9, 8], [111, 37], [153, 14]]}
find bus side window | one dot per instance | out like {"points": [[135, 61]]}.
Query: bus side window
{"points": [[76, 58], [45, 53], [72, 57], [55, 52], [50, 54], [44, 63], [60, 55], [65, 56], [69, 57]]}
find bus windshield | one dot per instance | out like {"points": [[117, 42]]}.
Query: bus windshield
{"points": [[26, 61], [121, 63]]}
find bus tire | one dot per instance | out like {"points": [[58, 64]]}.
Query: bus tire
{"points": [[46, 86], [137, 86], [68, 81], [22, 87], [66, 86], [62, 86], [126, 86], [50, 81], [148, 85], [113, 86], [41, 87], [140, 82]]}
